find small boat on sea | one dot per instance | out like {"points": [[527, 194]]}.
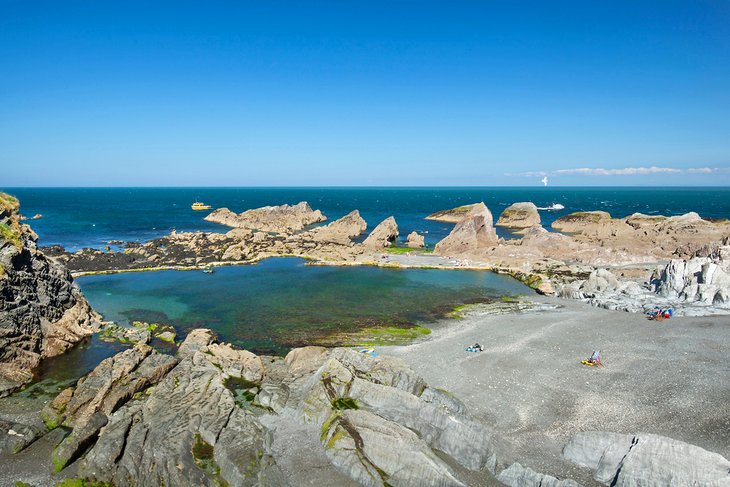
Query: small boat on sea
{"points": [[208, 270], [200, 206]]}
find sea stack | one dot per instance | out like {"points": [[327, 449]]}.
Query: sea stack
{"points": [[519, 216], [474, 232]]}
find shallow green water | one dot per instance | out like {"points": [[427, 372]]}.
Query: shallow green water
{"points": [[282, 303]]}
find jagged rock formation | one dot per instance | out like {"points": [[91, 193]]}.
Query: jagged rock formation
{"points": [[518, 476], [699, 280], [658, 236], [209, 417], [383, 235], [454, 215], [700, 285], [42, 312], [519, 216], [474, 232], [285, 219], [645, 459], [415, 241]]}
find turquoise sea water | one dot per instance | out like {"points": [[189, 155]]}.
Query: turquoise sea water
{"points": [[281, 303], [80, 217]]}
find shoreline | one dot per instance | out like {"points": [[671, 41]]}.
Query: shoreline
{"points": [[530, 390]]}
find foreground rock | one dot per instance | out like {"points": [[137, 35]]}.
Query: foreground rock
{"points": [[475, 231], [519, 216], [283, 219], [209, 416], [645, 459], [42, 312]]}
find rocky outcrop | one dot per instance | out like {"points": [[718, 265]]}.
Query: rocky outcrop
{"points": [[284, 219], [333, 242], [42, 312], [383, 235], [473, 233], [657, 236], [209, 416], [415, 241], [582, 222], [519, 216], [342, 230], [646, 459], [454, 215], [152, 419]]}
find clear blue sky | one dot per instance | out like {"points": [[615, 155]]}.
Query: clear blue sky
{"points": [[364, 93]]}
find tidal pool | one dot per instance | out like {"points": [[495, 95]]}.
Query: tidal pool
{"points": [[281, 303]]}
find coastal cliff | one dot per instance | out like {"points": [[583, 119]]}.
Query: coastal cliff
{"points": [[42, 312]]}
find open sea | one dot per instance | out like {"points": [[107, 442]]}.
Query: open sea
{"points": [[91, 217]]}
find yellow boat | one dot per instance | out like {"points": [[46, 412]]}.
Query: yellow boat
{"points": [[200, 206]]}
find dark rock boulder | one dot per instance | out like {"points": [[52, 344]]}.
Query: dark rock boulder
{"points": [[42, 311]]}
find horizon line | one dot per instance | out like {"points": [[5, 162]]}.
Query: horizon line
{"points": [[534, 186]]}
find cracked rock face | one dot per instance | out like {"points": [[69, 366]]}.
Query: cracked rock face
{"points": [[646, 459], [518, 476], [42, 312], [209, 416]]}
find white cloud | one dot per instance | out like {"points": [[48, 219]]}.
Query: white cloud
{"points": [[599, 171], [625, 171]]}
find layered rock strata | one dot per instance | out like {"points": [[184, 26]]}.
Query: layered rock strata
{"points": [[209, 417], [42, 311]]}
